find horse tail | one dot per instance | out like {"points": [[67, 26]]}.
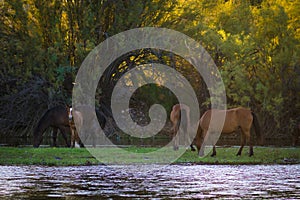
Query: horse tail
{"points": [[257, 128]]}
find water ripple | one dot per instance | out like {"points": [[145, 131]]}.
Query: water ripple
{"points": [[174, 181]]}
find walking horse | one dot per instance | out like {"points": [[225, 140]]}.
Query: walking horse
{"points": [[238, 119]]}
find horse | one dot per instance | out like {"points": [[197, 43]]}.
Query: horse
{"points": [[74, 132], [236, 119], [57, 118], [177, 112], [85, 113]]}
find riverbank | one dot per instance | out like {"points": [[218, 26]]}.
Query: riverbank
{"points": [[80, 156]]}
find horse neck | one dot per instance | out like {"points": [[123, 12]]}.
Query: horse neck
{"points": [[43, 124]]}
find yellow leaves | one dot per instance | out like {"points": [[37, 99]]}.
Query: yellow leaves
{"points": [[238, 41], [269, 59], [223, 34], [275, 41], [132, 58]]}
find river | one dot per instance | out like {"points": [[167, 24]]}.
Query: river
{"points": [[130, 181]]}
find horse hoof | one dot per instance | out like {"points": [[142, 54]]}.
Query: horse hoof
{"points": [[200, 153]]}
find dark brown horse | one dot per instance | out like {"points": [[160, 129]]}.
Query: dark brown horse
{"points": [[237, 120], [57, 118], [179, 111]]}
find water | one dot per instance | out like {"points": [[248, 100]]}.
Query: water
{"points": [[173, 181]]}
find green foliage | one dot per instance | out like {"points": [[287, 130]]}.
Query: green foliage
{"points": [[255, 44]]}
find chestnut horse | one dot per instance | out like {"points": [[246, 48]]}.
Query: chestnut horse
{"points": [[79, 114], [237, 120], [74, 131], [175, 117]]}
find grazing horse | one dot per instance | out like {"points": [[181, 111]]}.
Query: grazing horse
{"points": [[57, 118], [177, 112], [74, 131], [237, 119]]}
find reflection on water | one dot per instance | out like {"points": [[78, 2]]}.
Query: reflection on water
{"points": [[173, 181]]}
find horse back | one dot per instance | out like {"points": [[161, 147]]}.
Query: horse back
{"points": [[234, 118], [58, 116], [55, 117]]}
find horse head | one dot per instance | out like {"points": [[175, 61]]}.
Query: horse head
{"points": [[70, 114], [37, 137]]}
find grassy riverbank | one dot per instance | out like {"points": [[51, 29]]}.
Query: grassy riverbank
{"points": [[80, 156]]}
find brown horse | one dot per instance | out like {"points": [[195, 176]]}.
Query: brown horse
{"points": [[74, 132], [84, 114], [237, 119], [175, 117], [57, 118]]}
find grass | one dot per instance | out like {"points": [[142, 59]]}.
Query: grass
{"points": [[81, 156]]}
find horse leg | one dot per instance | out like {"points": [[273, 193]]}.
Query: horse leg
{"points": [[251, 150], [80, 143], [176, 141], [72, 138], [197, 140], [189, 141], [214, 153], [63, 130], [192, 147], [78, 140], [243, 141], [54, 136], [201, 143], [244, 138], [176, 137]]}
